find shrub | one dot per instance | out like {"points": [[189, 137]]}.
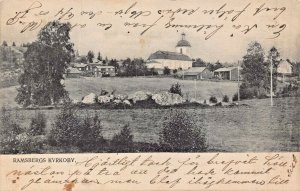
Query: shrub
{"points": [[235, 97], [180, 133], [213, 99], [90, 135], [37, 125], [176, 89], [9, 143], [65, 131], [123, 141], [166, 71], [225, 98]]}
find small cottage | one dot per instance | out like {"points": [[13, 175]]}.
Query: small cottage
{"points": [[196, 73], [230, 73]]}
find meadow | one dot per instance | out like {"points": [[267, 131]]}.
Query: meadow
{"points": [[253, 128]]}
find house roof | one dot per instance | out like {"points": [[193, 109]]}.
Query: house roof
{"points": [[196, 69], [99, 67], [79, 65], [71, 70], [169, 56], [225, 69]]}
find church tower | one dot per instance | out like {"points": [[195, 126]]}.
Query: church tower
{"points": [[183, 46]]}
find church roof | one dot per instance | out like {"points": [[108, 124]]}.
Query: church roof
{"points": [[183, 43], [169, 56]]}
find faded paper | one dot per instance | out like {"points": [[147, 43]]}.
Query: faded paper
{"points": [[249, 144]]}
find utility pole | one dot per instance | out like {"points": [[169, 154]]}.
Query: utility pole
{"points": [[238, 80], [195, 87], [271, 88]]}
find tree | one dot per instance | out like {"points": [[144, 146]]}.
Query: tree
{"points": [[275, 56], [45, 63], [180, 133], [254, 71], [99, 57], [199, 63], [123, 141], [4, 43], [176, 89], [13, 44], [166, 71], [90, 56]]}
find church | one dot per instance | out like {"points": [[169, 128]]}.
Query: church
{"points": [[180, 59]]}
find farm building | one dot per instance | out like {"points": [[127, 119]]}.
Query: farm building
{"points": [[173, 60], [80, 66], [104, 71], [196, 73], [284, 69], [230, 73], [73, 73]]}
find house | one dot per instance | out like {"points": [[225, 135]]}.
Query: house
{"points": [[173, 60], [196, 73], [73, 73], [80, 66], [284, 69], [230, 73], [104, 71]]}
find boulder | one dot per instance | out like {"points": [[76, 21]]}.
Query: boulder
{"points": [[121, 96], [89, 99], [117, 101], [104, 99], [140, 96], [167, 98], [126, 102]]}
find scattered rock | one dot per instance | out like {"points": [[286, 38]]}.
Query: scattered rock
{"points": [[121, 96], [126, 102], [167, 98], [104, 99], [139, 96], [89, 99], [117, 101]]}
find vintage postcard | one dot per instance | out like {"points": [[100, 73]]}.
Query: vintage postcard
{"points": [[150, 95]]}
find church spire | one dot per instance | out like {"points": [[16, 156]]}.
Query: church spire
{"points": [[183, 36]]}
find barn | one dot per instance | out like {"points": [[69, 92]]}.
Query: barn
{"points": [[230, 73], [196, 73]]}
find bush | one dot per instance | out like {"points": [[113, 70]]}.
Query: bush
{"points": [[65, 131], [90, 135], [37, 125], [176, 89], [123, 141], [9, 143], [235, 97], [180, 133], [166, 71], [225, 98], [213, 99]]}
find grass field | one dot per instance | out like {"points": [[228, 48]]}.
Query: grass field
{"points": [[79, 87]]}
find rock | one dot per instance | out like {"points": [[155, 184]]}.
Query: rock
{"points": [[117, 101], [167, 98], [104, 99], [139, 96], [89, 99], [121, 96], [126, 102]]}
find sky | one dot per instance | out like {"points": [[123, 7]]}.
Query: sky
{"points": [[229, 44]]}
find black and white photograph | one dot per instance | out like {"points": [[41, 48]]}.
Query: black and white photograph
{"points": [[149, 76]]}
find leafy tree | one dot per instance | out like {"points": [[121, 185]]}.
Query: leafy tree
{"points": [[176, 89], [254, 71], [166, 71], [4, 43], [114, 63], [45, 62], [180, 133], [199, 63], [38, 125], [90, 56], [296, 69], [13, 44]]}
